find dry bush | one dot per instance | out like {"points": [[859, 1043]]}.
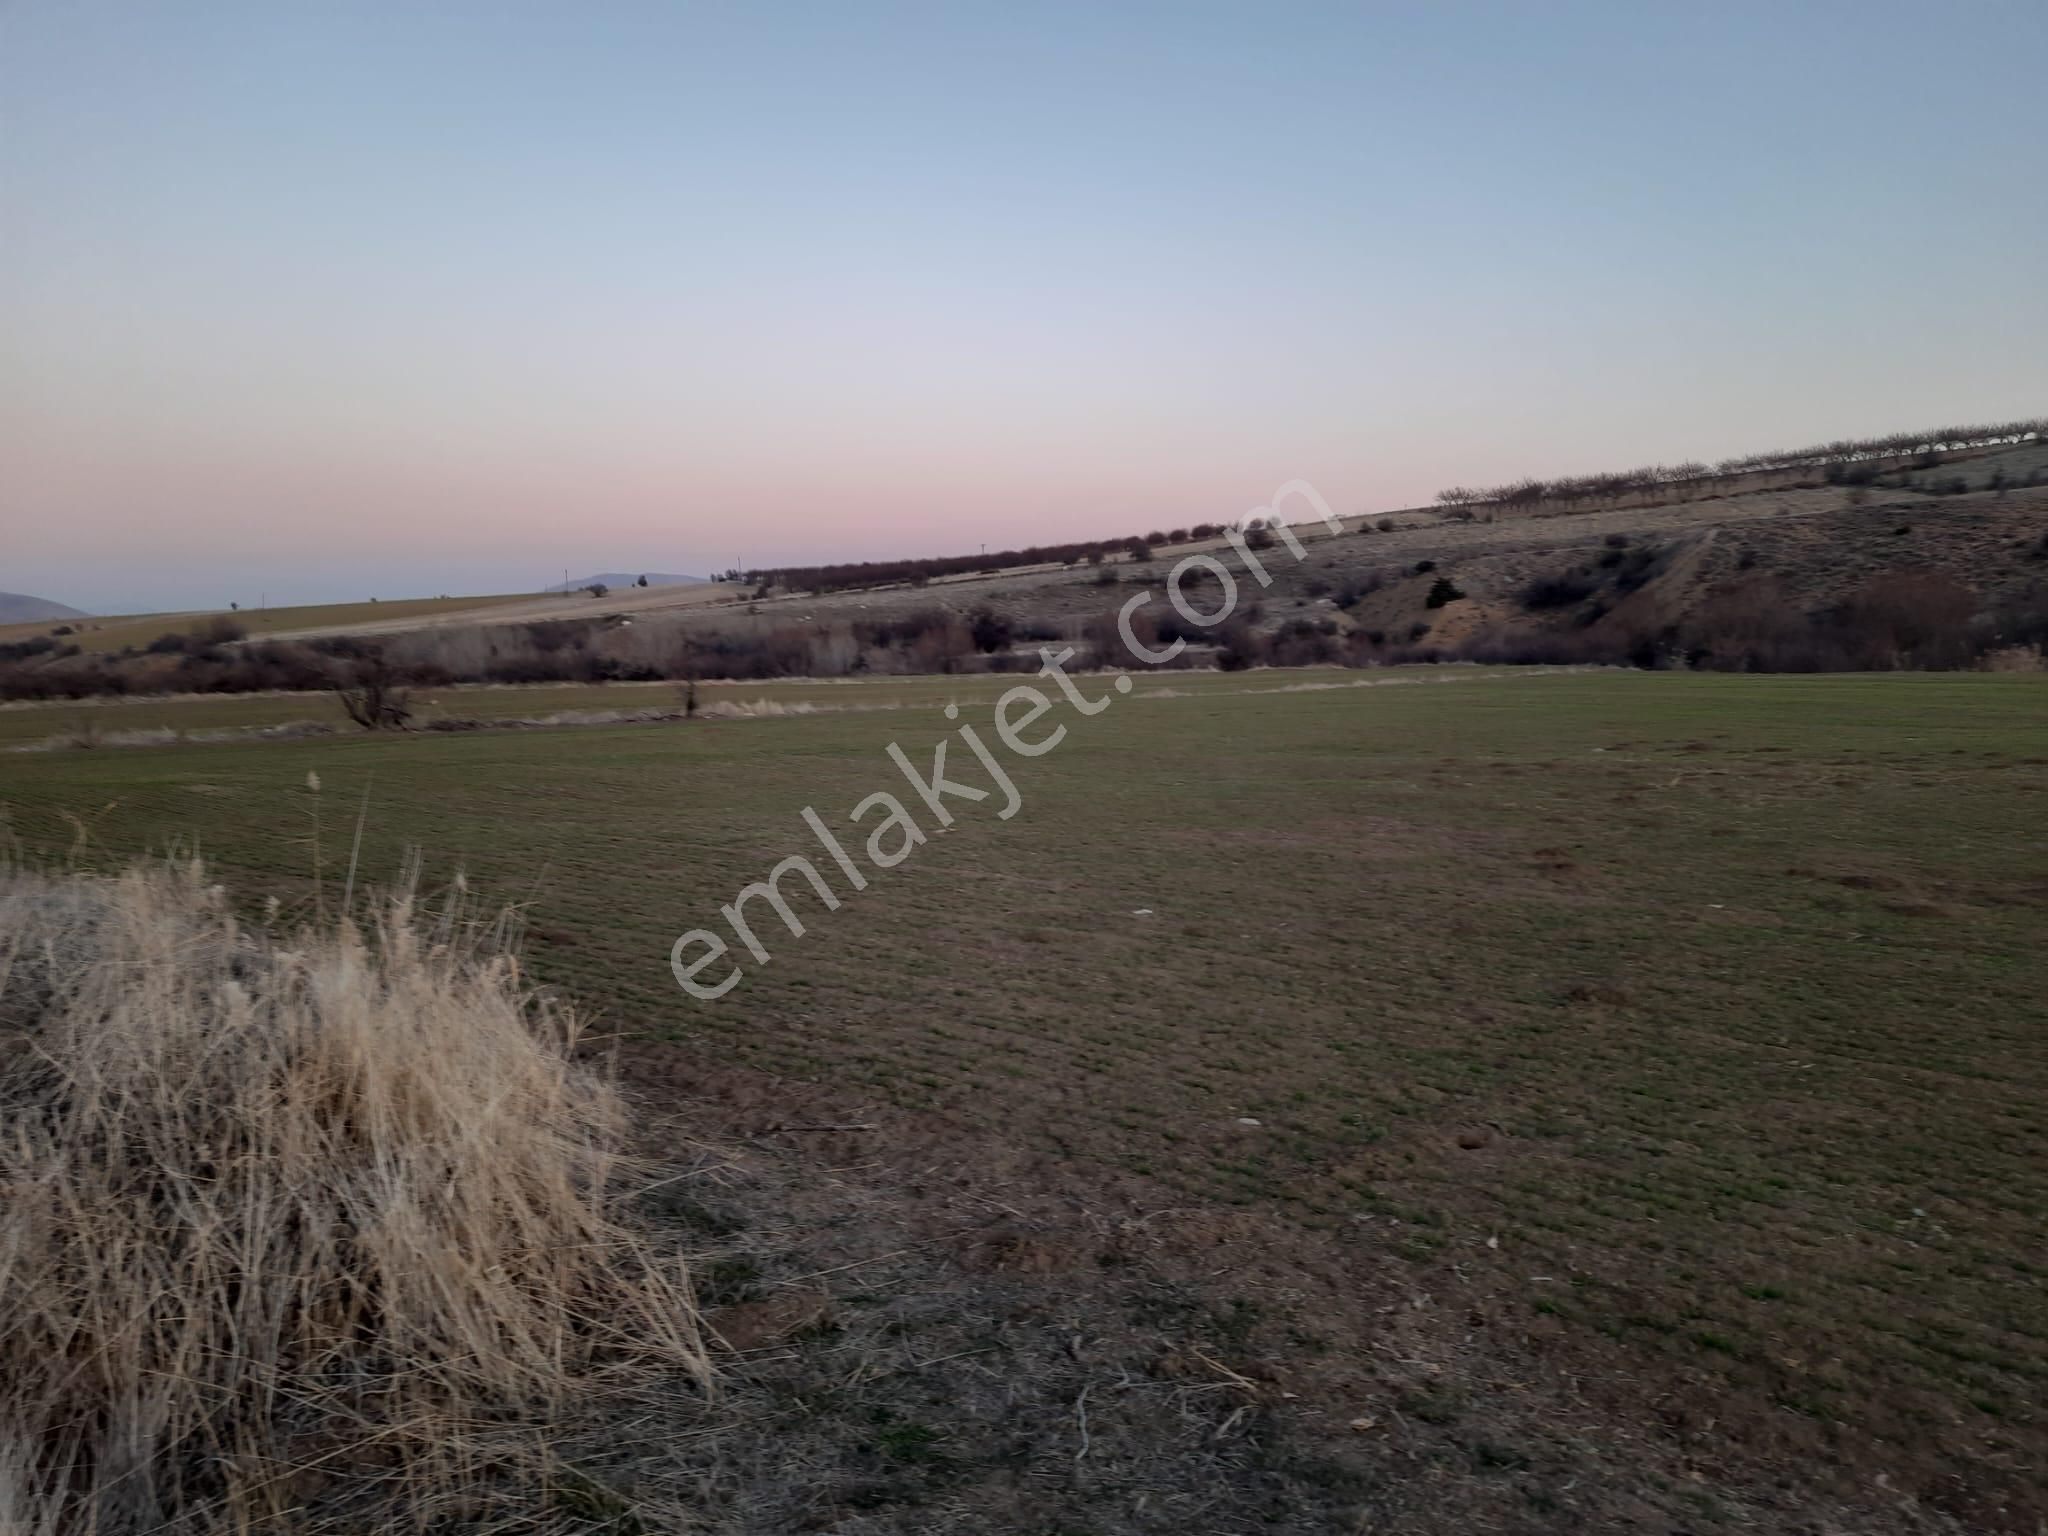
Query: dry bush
{"points": [[1753, 624], [1102, 641], [296, 1232], [1559, 591], [371, 696], [1910, 619], [943, 647], [755, 709]]}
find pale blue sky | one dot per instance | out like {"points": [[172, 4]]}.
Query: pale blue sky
{"points": [[332, 301]]}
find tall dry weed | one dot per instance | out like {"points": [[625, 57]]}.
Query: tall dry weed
{"points": [[292, 1223]]}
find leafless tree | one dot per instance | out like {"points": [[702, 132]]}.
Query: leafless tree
{"points": [[370, 695]]}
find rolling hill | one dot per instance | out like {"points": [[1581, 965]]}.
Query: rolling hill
{"points": [[19, 608]]}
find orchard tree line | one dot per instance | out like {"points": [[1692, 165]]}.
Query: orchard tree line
{"points": [[879, 573], [1575, 490]]}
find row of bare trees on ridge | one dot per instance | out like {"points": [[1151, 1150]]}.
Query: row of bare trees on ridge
{"points": [[1693, 476]]}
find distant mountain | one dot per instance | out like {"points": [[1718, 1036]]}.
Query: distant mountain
{"points": [[17, 609], [617, 579]]}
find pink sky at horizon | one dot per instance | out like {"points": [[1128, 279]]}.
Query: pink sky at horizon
{"points": [[392, 304]]}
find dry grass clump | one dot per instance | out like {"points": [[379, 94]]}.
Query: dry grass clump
{"points": [[756, 709], [292, 1226]]}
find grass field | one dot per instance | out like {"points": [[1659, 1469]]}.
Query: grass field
{"points": [[1696, 1019], [111, 634], [26, 724]]}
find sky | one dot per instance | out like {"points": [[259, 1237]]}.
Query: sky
{"points": [[329, 301]]}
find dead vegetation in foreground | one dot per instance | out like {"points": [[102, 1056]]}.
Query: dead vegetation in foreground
{"points": [[306, 1230], [316, 1238]]}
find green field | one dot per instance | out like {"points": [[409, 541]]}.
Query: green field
{"points": [[1733, 985], [106, 719], [111, 634]]}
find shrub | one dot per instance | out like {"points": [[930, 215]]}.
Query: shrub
{"points": [[940, 648], [1441, 591], [1909, 619], [1359, 588], [551, 635], [1524, 645], [1102, 641], [343, 1190], [1258, 536], [991, 631], [370, 695], [1424, 567], [1636, 567], [1556, 592], [1300, 643], [1239, 646]]}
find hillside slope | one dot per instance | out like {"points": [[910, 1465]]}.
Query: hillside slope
{"points": [[20, 608], [1979, 520]]}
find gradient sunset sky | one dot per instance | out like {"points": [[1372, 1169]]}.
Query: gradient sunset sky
{"points": [[321, 302]]}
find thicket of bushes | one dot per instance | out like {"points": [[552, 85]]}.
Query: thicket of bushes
{"points": [[264, 667], [1904, 621], [594, 650]]}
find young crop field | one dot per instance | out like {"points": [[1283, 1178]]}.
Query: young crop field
{"points": [[111, 634], [112, 721], [1691, 1025]]}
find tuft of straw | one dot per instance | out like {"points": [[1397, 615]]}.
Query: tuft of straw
{"points": [[288, 1223]]}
